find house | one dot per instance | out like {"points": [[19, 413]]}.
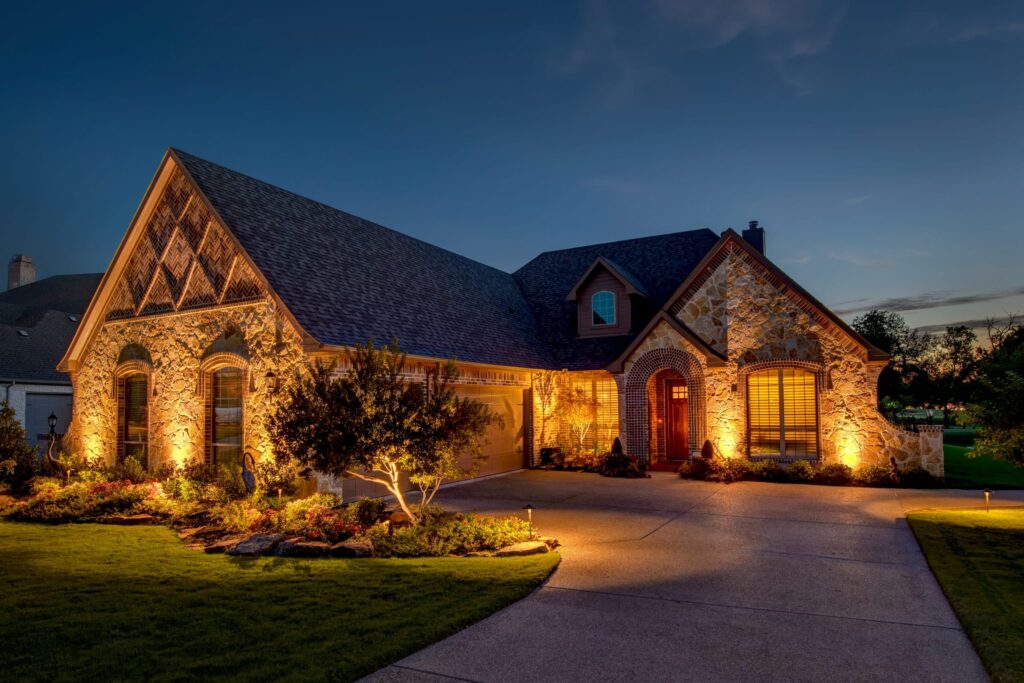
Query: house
{"points": [[224, 285], [37, 321]]}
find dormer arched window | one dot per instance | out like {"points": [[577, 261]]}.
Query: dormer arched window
{"points": [[602, 306]]}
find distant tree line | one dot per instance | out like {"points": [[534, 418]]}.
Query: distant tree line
{"points": [[981, 385]]}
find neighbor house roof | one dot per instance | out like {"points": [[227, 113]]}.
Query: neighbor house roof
{"points": [[347, 279], [37, 321]]}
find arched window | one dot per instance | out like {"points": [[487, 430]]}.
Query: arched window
{"points": [[133, 418], [782, 413], [602, 304], [224, 416]]}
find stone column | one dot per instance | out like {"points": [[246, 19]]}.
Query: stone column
{"points": [[620, 386], [930, 449]]}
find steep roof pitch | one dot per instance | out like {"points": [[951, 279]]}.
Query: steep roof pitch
{"points": [[346, 279], [68, 293], [663, 260]]}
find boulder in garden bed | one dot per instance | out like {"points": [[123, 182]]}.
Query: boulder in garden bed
{"points": [[353, 547], [301, 548], [525, 548], [223, 544], [129, 520], [257, 544]]}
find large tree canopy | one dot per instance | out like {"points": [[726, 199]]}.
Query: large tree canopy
{"points": [[997, 396]]}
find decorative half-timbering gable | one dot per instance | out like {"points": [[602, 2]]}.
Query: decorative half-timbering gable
{"points": [[184, 260]]}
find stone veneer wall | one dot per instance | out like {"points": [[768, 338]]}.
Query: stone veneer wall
{"points": [[176, 344], [738, 310]]}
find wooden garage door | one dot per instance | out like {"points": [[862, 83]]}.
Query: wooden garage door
{"points": [[504, 445]]}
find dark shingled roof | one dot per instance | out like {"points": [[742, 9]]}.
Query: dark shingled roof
{"points": [[663, 260], [347, 279], [37, 322]]}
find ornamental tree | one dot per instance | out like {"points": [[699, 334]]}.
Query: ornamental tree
{"points": [[997, 401], [17, 458], [369, 423]]}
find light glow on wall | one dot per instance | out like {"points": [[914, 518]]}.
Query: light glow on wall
{"points": [[849, 449]]}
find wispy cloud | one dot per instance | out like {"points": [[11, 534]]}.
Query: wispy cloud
{"points": [[925, 301], [799, 256], [973, 324], [856, 201], [634, 44], [988, 31], [856, 258]]}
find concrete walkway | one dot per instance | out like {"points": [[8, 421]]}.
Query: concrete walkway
{"points": [[665, 579]]}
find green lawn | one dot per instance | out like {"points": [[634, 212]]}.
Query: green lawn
{"points": [[982, 471], [978, 558], [93, 602]]}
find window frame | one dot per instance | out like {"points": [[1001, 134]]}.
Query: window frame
{"points": [[780, 369], [125, 370], [213, 364], [593, 309]]}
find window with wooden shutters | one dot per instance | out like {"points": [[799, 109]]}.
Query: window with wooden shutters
{"points": [[133, 432], [782, 413], [225, 416]]}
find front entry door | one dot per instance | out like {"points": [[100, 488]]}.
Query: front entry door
{"points": [[677, 420]]}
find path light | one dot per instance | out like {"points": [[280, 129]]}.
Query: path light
{"points": [[987, 492], [529, 516]]}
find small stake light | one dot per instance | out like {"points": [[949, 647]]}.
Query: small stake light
{"points": [[987, 492], [279, 498], [529, 516]]}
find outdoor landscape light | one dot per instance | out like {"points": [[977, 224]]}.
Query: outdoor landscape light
{"points": [[271, 379], [529, 516], [52, 420], [987, 492]]}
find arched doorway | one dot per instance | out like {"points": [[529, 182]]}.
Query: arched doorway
{"points": [[665, 407]]}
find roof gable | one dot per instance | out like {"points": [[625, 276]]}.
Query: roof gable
{"points": [[630, 282]]}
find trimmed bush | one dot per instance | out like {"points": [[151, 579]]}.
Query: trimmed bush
{"points": [[621, 465], [768, 470], [702, 468], [876, 475], [442, 533], [366, 512], [80, 502], [834, 474], [918, 478], [800, 472]]}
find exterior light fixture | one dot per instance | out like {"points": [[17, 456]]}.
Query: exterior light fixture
{"points": [[988, 493], [529, 516], [271, 380], [52, 420]]}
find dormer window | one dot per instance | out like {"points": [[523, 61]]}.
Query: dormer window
{"points": [[602, 304]]}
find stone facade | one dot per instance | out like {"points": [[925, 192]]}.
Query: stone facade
{"points": [[739, 311], [176, 345]]}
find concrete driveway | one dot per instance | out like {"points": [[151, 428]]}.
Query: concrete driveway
{"points": [[665, 579]]}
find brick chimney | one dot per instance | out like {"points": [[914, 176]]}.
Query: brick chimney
{"points": [[754, 236], [20, 271]]}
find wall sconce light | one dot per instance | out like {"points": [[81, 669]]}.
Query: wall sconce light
{"points": [[271, 379]]}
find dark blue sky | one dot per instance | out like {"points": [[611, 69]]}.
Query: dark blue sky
{"points": [[881, 144]]}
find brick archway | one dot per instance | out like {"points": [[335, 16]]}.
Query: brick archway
{"points": [[638, 429]]}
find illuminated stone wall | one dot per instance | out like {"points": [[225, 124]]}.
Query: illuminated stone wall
{"points": [[176, 344], [763, 324]]}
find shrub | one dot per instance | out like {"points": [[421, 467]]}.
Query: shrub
{"points": [[918, 478], [17, 458], [318, 518], [183, 489], [731, 470], [800, 472], [79, 501], [768, 470], [620, 465], [272, 476], [447, 533], [366, 512], [229, 478], [834, 474], [876, 475], [241, 515], [700, 468], [129, 469]]}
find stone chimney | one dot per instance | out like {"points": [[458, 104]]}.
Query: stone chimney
{"points": [[20, 271], [754, 236]]}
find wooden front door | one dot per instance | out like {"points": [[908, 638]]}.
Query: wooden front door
{"points": [[677, 420]]}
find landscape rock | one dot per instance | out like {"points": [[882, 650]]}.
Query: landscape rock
{"points": [[525, 548], [551, 543], [191, 531], [300, 548], [130, 520], [7, 501], [257, 544], [353, 547], [223, 544]]}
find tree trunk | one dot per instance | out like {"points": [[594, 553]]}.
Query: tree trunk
{"points": [[390, 481]]}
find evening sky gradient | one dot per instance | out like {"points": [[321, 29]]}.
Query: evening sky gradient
{"points": [[881, 144]]}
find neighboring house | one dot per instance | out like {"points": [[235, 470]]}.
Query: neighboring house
{"points": [[37, 322], [224, 285]]}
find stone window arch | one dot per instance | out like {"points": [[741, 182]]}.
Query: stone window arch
{"points": [[132, 388], [638, 413], [224, 383], [781, 408]]}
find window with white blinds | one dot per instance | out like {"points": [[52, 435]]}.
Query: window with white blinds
{"points": [[782, 413]]}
